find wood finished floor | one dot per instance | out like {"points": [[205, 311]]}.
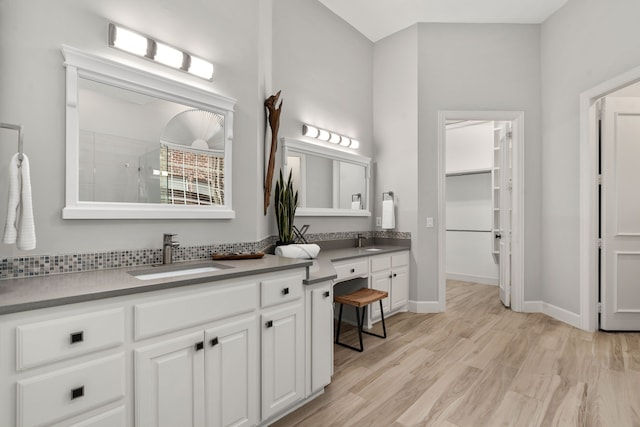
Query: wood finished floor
{"points": [[480, 364]]}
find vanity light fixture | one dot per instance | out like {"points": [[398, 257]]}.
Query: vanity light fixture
{"points": [[146, 47], [327, 136]]}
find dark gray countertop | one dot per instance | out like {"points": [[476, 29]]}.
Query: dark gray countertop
{"points": [[322, 268], [52, 290]]}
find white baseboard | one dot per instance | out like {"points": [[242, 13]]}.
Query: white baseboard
{"points": [[551, 310], [424, 307], [483, 280]]}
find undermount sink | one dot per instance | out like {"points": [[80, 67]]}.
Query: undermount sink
{"points": [[165, 272], [372, 249]]}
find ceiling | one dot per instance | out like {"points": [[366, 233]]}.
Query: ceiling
{"points": [[377, 19]]}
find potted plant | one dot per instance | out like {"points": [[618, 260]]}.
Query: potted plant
{"points": [[285, 204]]}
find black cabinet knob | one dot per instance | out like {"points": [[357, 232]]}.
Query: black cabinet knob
{"points": [[353, 270], [327, 294], [77, 392], [214, 342], [285, 291], [76, 337], [395, 275], [199, 345], [269, 324]]}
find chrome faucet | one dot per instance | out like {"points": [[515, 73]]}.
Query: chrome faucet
{"points": [[167, 248], [359, 242]]}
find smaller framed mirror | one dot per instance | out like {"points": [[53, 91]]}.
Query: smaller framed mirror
{"points": [[140, 145], [330, 181]]}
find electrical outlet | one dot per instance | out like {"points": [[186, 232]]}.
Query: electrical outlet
{"points": [[429, 222], [378, 221]]}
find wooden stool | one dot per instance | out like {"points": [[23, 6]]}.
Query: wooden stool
{"points": [[361, 298]]}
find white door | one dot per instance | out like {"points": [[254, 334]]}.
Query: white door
{"points": [[321, 336], [231, 362], [620, 215], [502, 187], [282, 358], [169, 384], [381, 281]]}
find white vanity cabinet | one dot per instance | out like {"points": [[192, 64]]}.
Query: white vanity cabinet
{"points": [[283, 349], [319, 308], [64, 367], [224, 353], [390, 273], [206, 378]]}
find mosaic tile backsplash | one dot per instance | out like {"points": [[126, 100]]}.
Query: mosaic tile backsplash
{"points": [[13, 268]]}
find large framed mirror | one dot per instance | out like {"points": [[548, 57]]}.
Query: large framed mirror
{"points": [[330, 181], [140, 145]]}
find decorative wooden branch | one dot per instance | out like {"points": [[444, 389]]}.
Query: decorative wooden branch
{"points": [[274, 123]]}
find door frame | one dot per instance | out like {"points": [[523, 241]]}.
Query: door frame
{"points": [[517, 200], [589, 212]]}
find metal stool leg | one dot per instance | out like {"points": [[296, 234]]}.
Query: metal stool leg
{"points": [[359, 331], [384, 327]]}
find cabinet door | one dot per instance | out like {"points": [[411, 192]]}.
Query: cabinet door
{"points": [[321, 336], [282, 358], [169, 385], [399, 288], [231, 366], [381, 281]]}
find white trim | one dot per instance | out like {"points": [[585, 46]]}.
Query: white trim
{"points": [[561, 314], [483, 280], [568, 317], [588, 195], [423, 307], [517, 201]]}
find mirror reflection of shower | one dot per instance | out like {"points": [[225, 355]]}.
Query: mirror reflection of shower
{"points": [[136, 148]]}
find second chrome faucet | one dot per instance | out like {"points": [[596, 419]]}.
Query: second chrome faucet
{"points": [[167, 247]]}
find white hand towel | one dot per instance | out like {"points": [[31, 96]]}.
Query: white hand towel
{"points": [[20, 228], [355, 205], [388, 215], [306, 251]]}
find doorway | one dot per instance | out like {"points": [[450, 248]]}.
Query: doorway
{"points": [[590, 272], [619, 210], [490, 221]]}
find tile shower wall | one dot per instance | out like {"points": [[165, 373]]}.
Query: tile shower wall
{"points": [[13, 268]]}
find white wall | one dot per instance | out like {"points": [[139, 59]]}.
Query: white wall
{"points": [[395, 123], [585, 43], [324, 68], [469, 147], [477, 67]]}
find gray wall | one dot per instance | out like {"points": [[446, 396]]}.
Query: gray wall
{"points": [[395, 121], [324, 68], [584, 44]]}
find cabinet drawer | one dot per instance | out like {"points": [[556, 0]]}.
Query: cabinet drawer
{"points": [[349, 269], [399, 260], [51, 340], [113, 418], [67, 392], [379, 263], [281, 290], [175, 313]]}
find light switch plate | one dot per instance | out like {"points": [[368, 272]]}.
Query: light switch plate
{"points": [[378, 221], [429, 222]]}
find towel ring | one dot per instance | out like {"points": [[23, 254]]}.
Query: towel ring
{"points": [[388, 195], [17, 128]]}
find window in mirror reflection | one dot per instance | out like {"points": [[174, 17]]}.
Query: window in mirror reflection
{"points": [[136, 148]]}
